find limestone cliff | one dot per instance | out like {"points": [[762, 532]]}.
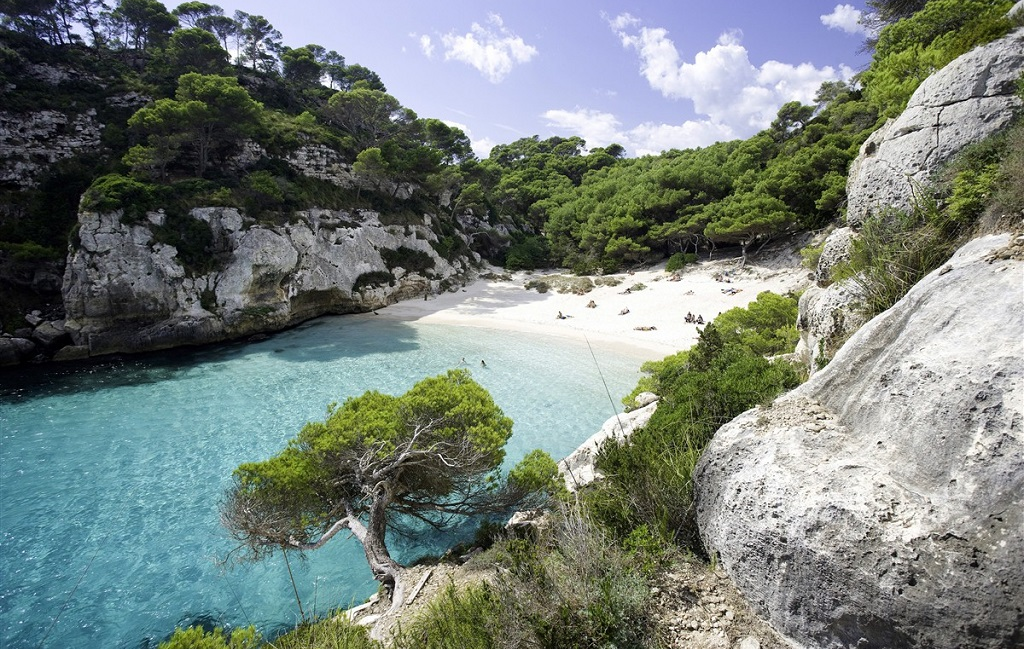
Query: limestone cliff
{"points": [[125, 291], [881, 504], [965, 102]]}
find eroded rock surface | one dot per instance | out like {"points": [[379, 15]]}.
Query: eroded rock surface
{"points": [[965, 102], [881, 504], [124, 291]]}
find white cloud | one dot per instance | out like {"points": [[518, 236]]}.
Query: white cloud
{"points": [[482, 147], [427, 45], [846, 18], [491, 49], [601, 129], [733, 93], [597, 128]]}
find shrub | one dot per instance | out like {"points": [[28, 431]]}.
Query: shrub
{"points": [[809, 256], [911, 49], [116, 192], [529, 254], [198, 638], [894, 251], [373, 278], [450, 247], [335, 632], [573, 587], [648, 476], [30, 251], [192, 238], [465, 618], [767, 326], [412, 260], [680, 260]]}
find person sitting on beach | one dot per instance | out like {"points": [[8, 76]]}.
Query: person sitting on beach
{"points": [[560, 316], [624, 312], [689, 317], [700, 319], [591, 304]]}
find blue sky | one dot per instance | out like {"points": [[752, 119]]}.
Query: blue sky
{"points": [[650, 75]]}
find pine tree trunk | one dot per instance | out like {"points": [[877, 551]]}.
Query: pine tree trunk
{"points": [[372, 537]]}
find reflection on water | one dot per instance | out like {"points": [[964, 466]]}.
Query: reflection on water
{"points": [[110, 474]]}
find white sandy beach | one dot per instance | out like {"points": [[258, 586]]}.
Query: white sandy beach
{"points": [[661, 305]]}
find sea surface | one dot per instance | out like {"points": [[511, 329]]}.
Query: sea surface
{"points": [[111, 474]]}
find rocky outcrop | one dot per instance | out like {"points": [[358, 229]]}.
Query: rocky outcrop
{"points": [[881, 504], [965, 102], [579, 468], [827, 317], [125, 291], [29, 144]]}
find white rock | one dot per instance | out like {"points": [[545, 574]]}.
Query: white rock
{"points": [[884, 498], [963, 103]]}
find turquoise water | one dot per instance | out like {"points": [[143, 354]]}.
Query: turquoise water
{"points": [[110, 475]]}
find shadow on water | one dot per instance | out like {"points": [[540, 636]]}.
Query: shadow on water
{"points": [[322, 340]]}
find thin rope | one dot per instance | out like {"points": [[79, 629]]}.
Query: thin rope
{"points": [[70, 595], [615, 410], [294, 587]]}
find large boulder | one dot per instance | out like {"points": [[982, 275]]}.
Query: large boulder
{"points": [[881, 504], [964, 102], [828, 316]]}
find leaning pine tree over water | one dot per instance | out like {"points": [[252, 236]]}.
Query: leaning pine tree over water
{"points": [[381, 461]]}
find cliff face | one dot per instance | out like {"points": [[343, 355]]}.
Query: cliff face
{"points": [[124, 291], [965, 102], [881, 504]]}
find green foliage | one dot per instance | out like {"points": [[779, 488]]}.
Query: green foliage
{"points": [[335, 632], [192, 238], [263, 191], [736, 193], [766, 326], [894, 250], [208, 113], [647, 550], [412, 260], [810, 255], [30, 251], [116, 192], [574, 587], [194, 50], [198, 638], [538, 472], [680, 260], [464, 618], [530, 253], [1009, 190], [910, 49], [376, 455], [449, 246], [648, 478]]}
